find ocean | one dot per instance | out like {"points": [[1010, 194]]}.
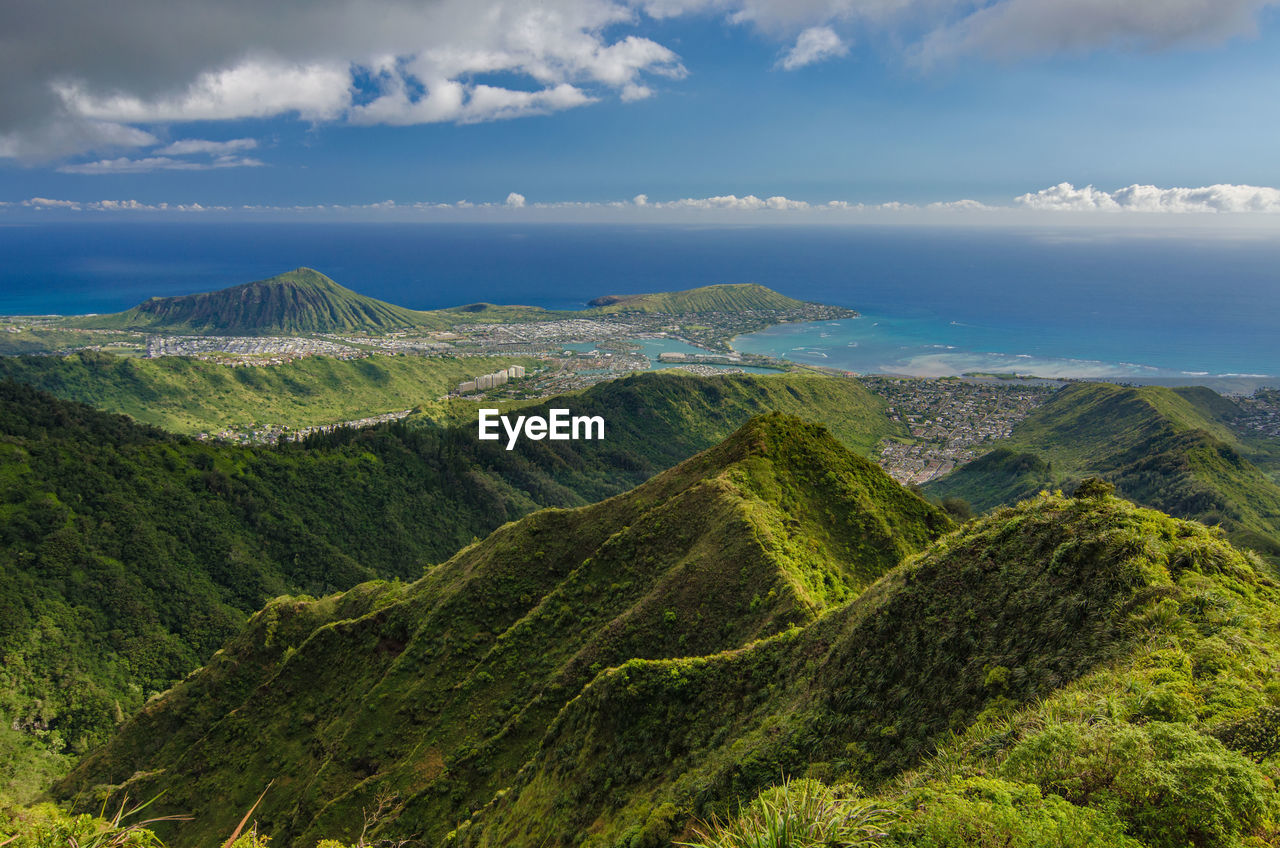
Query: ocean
{"points": [[1076, 303]]}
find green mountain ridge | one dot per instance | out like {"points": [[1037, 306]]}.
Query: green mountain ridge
{"points": [[439, 691], [1165, 448]]}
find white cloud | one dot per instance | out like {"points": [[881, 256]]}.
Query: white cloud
{"points": [[248, 90], [125, 165], [49, 203], [1065, 197], [45, 203], [815, 44], [195, 146], [631, 92], [730, 201], [445, 100], [964, 205], [515, 201]]}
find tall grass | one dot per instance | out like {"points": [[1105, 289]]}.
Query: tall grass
{"points": [[796, 814]]}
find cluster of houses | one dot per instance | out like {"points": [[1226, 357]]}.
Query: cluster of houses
{"points": [[491, 381]]}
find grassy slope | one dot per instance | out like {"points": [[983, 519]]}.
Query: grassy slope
{"points": [[1073, 662], [1164, 448], [298, 301], [436, 693], [191, 396]]}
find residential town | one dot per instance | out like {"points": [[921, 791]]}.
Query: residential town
{"points": [[951, 421], [1261, 413]]}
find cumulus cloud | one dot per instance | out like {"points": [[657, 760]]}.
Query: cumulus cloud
{"points": [[515, 200], [1065, 197], [190, 146], [46, 203], [729, 201], [815, 44], [249, 90], [50, 203], [125, 165], [80, 77]]}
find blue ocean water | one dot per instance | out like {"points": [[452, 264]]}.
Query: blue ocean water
{"points": [[1076, 303]]}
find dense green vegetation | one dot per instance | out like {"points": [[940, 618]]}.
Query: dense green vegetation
{"points": [[436, 693], [127, 555], [1168, 449], [192, 396], [298, 301]]}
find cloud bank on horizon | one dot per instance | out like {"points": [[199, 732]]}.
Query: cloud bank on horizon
{"points": [[1064, 198], [77, 78]]}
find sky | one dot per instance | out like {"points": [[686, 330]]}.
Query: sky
{"points": [[639, 109]]}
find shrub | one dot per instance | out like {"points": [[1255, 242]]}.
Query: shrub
{"points": [[1174, 786], [987, 813]]}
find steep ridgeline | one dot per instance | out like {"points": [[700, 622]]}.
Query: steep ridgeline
{"points": [[427, 699], [1071, 661], [298, 301], [127, 555], [1164, 448]]}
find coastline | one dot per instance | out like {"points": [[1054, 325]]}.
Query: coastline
{"points": [[867, 349]]}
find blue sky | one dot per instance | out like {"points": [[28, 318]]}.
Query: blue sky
{"points": [[716, 104]]}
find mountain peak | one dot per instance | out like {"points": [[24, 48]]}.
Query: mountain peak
{"points": [[299, 301]]}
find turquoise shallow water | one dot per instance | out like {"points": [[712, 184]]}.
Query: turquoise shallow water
{"points": [[881, 344]]}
